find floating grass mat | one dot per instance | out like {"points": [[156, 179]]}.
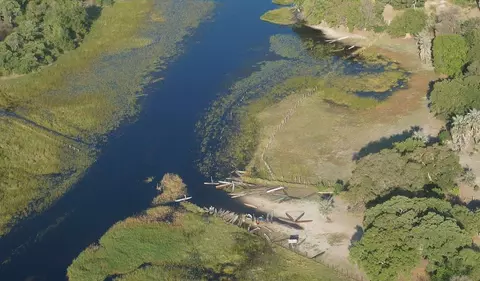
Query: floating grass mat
{"points": [[287, 46], [378, 86], [282, 16], [84, 95]]}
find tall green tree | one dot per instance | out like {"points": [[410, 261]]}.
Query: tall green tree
{"points": [[402, 231], [9, 10], [402, 4], [455, 96], [409, 166], [449, 54], [42, 30], [412, 21]]}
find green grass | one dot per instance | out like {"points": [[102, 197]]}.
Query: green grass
{"points": [[188, 246], [369, 82], [282, 16], [84, 95], [283, 2], [114, 31], [33, 158]]}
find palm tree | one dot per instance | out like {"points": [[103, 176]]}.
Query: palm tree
{"points": [[466, 130]]}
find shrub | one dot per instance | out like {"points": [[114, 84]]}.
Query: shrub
{"points": [[411, 21], [449, 54], [473, 68], [465, 3], [472, 38], [402, 4], [444, 136], [455, 96], [402, 231], [407, 167]]}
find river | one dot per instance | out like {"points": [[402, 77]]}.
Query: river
{"points": [[162, 140]]}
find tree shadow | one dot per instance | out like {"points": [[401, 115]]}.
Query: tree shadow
{"points": [[473, 205], [428, 190], [384, 143], [93, 12], [356, 236]]}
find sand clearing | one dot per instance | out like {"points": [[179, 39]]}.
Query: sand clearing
{"points": [[340, 228]]}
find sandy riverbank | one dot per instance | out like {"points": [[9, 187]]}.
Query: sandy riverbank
{"points": [[329, 234]]}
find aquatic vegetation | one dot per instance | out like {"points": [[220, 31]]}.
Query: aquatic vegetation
{"points": [[221, 127], [230, 130], [282, 16], [369, 82], [83, 96], [184, 245], [287, 46]]}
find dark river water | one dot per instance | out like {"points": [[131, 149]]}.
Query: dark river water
{"points": [[161, 140]]}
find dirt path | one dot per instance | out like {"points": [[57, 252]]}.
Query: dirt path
{"points": [[468, 193]]}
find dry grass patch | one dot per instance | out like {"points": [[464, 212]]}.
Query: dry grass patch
{"points": [[320, 140]]}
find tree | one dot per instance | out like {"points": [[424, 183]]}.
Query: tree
{"points": [[455, 96], [402, 4], [447, 21], [42, 30], [472, 38], [9, 10], [401, 231], [350, 13], [424, 43], [466, 131], [473, 68], [409, 167], [449, 54], [412, 21]]}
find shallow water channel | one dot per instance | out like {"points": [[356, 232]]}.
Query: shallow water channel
{"points": [[162, 140]]}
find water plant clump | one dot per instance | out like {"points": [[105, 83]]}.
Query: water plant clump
{"points": [[287, 46]]}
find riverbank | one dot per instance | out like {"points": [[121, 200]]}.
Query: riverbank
{"points": [[185, 242], [83, 96], [319, 143], [327, 228], [325, 151]]}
